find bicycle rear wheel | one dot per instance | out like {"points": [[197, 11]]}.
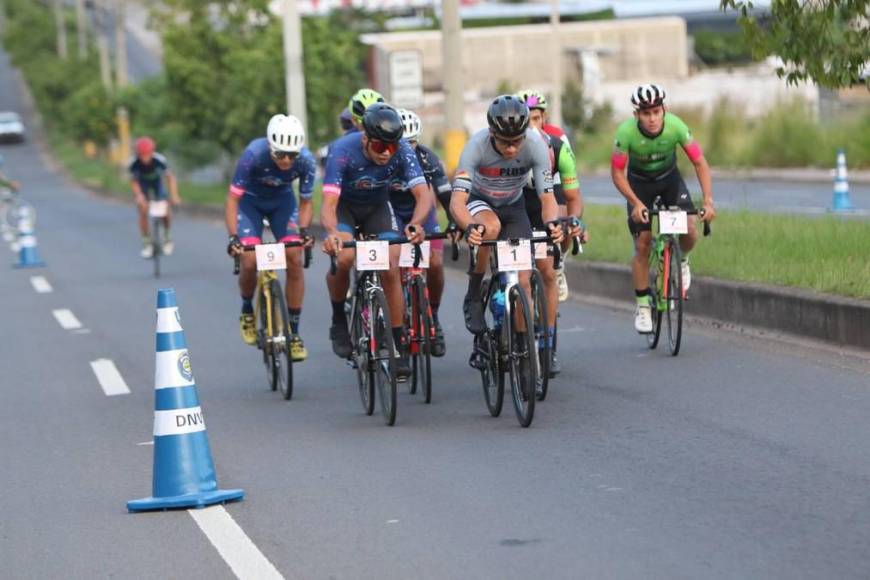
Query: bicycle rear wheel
{"points": [[156, 244], [421, 345], [360, 336], [674, 295], [383, 353], [542, 335], [521, 353], [282, 362]]}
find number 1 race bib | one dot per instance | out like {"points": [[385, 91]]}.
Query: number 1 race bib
{"points": [[673, 222], [514, 258], [406, 258], [158, 208], [372, 255], [271, 257]]}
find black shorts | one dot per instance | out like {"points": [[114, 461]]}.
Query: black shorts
{"points": [[513, 216], [670, 186], [375, 219]]}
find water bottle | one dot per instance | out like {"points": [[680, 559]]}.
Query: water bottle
{"points": [[496, 306]]}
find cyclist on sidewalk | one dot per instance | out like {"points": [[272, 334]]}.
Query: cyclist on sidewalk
{"points": [[147, 170], [488, 190], [646, 145], [262, 187], [356, 194]]}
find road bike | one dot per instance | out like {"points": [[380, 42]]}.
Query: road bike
{"points": [[12, 210], [158, 211]]}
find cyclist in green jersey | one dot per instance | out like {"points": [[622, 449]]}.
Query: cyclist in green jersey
{"points": [[646, 145]]}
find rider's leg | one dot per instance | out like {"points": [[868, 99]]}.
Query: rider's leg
{"points": [[640, 261], [295, 287], [435, 279], [338, 283], [490, 221], [392, 284], [143, 220], [551, 290]]}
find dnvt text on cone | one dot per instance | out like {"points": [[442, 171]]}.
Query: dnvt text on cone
{"points": [[184, 474]]}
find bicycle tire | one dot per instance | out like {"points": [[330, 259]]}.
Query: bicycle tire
{"points": [[486, 346], [263, 306], [384, 371], [521, 349], [360, 333], [282, 362], [422, 363], [408, 293], [156, 245], [675, 297], [652, 339], [542, 334]]}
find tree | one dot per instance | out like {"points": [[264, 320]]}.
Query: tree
{"points": [[827, 41]]}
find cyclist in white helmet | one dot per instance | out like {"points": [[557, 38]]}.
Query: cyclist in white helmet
{"points": [[262, 187]]}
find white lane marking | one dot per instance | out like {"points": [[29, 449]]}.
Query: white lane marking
{"points": [[40, 284], [572, 330], [66, 319], [82, 331], [236, 548], [146, 443], [109, 377]]}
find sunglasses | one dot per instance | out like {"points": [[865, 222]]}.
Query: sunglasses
{"points": [[284, 155], [380, 147], [509, 142]]}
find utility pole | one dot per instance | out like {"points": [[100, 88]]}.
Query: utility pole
{"points": [[82, 29], [60, 23], [121, 78], [451, 71], [556, 58], [103, 44], [294, 75]]}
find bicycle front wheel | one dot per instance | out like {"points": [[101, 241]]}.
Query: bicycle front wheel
{"points": [[542, 335], [521, 355], [383, 352], [655, 285], [674, 295], [282, 362], [360, 337], [421, 345]]}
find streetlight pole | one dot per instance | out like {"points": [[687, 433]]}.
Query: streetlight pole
{"points": [[556, 59], [60, 23], [103, 44], [451, 70], [81, 29], [294, 75], [121, 78]]}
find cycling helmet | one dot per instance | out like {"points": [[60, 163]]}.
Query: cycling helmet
{"points": [[647, 97], [362, 100], [145, 146], [382, 122], [533, 99], [285, 133], [508, 116], [345, 120], [412, 124]]}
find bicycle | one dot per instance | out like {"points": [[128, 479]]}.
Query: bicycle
{"points": [[12, 210], [372, 348], [273, 329], [418, 314], [503, 347], [665, 272], [158, 211]]}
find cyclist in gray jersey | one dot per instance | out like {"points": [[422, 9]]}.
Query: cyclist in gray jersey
{"points": [[488, 191]]}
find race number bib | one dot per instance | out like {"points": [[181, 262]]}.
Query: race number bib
{"points": [[372, 255], [406, 258], [271, 257], [540, 249], [158, 208], [514, 258], [673, 222]]}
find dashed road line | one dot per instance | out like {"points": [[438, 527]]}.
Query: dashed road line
{"points": [[234, 546], [40, 284], [66, 319], [110, 379]]}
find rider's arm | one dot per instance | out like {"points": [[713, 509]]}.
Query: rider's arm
{"points": [[567, 166], [335, 164], [231, 212], [618, 165], [236, 191], [413, 176], [172, 182], [542, 175], [306, 190], [696, 156], [462, 181]]}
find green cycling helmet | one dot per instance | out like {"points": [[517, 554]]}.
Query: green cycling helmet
{"points": [[361, 101], [533, 99]]}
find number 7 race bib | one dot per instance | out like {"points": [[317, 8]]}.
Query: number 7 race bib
{"points": [[673, 222], [373, 255]]}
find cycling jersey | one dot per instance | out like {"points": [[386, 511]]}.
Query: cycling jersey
{"points": [[484, 172], [149, 176], [350, 174], [653, 155], [433, 171], [564, 169], [258, 176]]}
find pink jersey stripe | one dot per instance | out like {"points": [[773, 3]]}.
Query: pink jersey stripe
{"points": [[693, 151], [618, 160], [237, 191], [331, 189], [250, 241]]}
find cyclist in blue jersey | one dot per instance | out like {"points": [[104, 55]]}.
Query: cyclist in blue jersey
{"points": [[403, 205], [262, 187], [147, 169], [356, 194]]}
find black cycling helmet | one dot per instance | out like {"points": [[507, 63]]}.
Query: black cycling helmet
{"points": [[382, 122], [508, 116]]}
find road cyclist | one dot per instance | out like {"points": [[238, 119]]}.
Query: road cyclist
{"points": [[148, 170]]}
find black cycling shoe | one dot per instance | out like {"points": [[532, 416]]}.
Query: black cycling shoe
{"points": [[473, 310], [438, 345], [555, 364], [340, 338], [403, 363]]}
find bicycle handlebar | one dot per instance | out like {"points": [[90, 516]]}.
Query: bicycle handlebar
{"points": [[292, 244], [698, 212], [333, 264]]}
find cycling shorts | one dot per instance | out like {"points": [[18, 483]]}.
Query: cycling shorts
{"points": [[372, 219], [513, 216], [669, 185], [281, 212]]}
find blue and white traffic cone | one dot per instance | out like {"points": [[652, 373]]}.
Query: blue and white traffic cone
{"points": [[28, 253], [841, 201], [184, 474]]}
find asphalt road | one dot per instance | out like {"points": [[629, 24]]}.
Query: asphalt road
{"points": [[740, 458]]}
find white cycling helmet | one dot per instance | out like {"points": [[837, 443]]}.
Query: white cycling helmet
{"points": [[285, 133], [647, 96], [411, 122]]}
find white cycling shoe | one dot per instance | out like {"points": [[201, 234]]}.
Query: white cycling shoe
{"points": [[147, 251], [687, 275], [168, 248], [562, 283], [643, 319]]}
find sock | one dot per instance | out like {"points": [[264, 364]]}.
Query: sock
{"points": [[294, 314], [434, 308], [474, 282], [247, 305], [552, 335], [398, 334], [642, 297], [338, 315]]}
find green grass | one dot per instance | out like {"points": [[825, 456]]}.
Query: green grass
{"points": [[827, 254]]}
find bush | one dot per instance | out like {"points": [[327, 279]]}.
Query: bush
{"points": [[786, 137], [717, 48]]}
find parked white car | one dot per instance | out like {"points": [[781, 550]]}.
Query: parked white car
{"points": [[11, 127]]}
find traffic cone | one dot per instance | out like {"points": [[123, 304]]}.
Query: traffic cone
{"points": [[28, 254], [841, 201], [184, 474]]}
